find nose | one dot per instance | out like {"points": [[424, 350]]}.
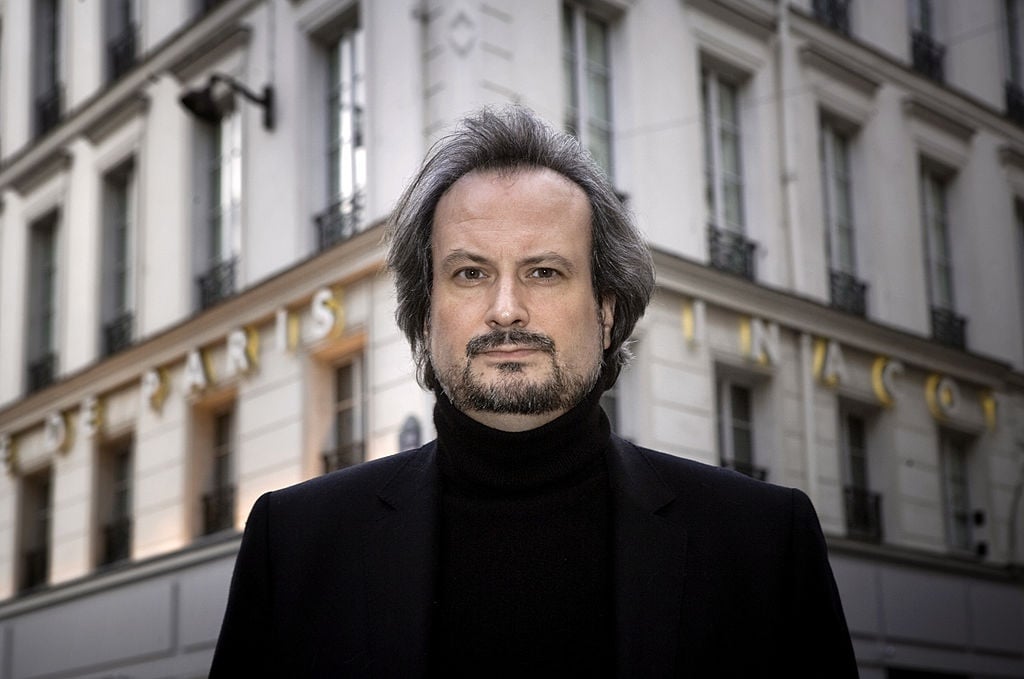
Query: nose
{"points": [[507, 306]]}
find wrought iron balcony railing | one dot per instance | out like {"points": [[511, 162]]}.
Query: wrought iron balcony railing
{"points": [[747, 468], [42, 372], [949, 328], [339, 222], [847, 293], [863, 514], [343, 456], [117, 334], [732, 252], [219, 510], [121, 55], [1015, 103], [47, 111], [35, 564], [217, 283], [833, 13], [927, 56], [117, 541]]}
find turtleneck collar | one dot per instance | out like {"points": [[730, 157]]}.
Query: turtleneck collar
{"points": [[476, 459]]}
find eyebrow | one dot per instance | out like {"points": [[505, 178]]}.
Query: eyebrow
{"points": [[460, 256]]}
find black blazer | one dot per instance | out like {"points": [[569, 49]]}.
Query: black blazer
{"points": [[715, 574]]}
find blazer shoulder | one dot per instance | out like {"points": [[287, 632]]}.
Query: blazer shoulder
{"points": [[356, 483], [721, 486]]}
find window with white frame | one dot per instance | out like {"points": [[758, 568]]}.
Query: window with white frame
{"points": [[41, 348], [1018, 211], [116, 272], [927, 53], [723, 166], [736, 428], [837, 191], [46, 55], [956, 491], [863, 507], [1014, 55], [119, 28], [346, 439], [218, 486], [586, 63], [935, 215], [846, 291], [36, 513], [219, 240], [346, 138], [114, 501]]}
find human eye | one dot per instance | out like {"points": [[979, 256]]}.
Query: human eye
{"points": [[469, 274], [544, 273]]}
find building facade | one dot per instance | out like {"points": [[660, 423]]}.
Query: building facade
{"points": [[194, 309]]}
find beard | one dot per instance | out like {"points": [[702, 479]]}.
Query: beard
{"points": [[512, 392]]}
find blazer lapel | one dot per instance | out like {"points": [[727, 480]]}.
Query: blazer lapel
{"points": [[649, 551], [400, 565]]}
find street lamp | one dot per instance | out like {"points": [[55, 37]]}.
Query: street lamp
{"points": [[204, 105]]}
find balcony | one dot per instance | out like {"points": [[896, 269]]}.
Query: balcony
{"points": [[949, 328], [339, 222], [117, 334], [217, 283], [833, 13], [219, 510], [47, 111], [343, 456], [1015, 103], [863, 514], [42, 372], [847, 293], [927, 56], [746, 468], [117, 541], [35, 565], [121, 55], [731, 252]]}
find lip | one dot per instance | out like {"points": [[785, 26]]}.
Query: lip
{"points": [[509, 354]]}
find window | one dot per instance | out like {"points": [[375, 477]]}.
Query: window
{"points": [[1018, 211], [947, 327], [36, 510], [42, 297], [46, 87], [723, 171], [846, 291], [956, 491], [346, 438], [220, 197], [833, 13], [346, 140], [736, 428], [586, 64], [119, 28], [927, 53], [116, 302], [1014, 62], [863, 508], [115, 501], [219, 487]]}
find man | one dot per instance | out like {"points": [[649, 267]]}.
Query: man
{"points": [[527, 540]]}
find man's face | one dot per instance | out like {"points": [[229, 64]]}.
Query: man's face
{"points": [[515, 334]]}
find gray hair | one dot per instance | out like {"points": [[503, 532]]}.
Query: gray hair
{"points": [[508, 140]]}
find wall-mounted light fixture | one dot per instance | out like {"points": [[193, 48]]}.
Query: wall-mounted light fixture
{"points": [[203, 104]]}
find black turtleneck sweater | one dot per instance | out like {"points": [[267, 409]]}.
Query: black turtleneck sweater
{"points": [[525, 561]]}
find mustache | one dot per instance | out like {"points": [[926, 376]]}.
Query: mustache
{"points": [[514, 337]]}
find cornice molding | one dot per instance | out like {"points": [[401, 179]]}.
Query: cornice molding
{"points": [[357, 259], [694, 279]]}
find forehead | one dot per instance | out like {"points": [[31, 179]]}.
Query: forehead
{"points": [[532, 202]]}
